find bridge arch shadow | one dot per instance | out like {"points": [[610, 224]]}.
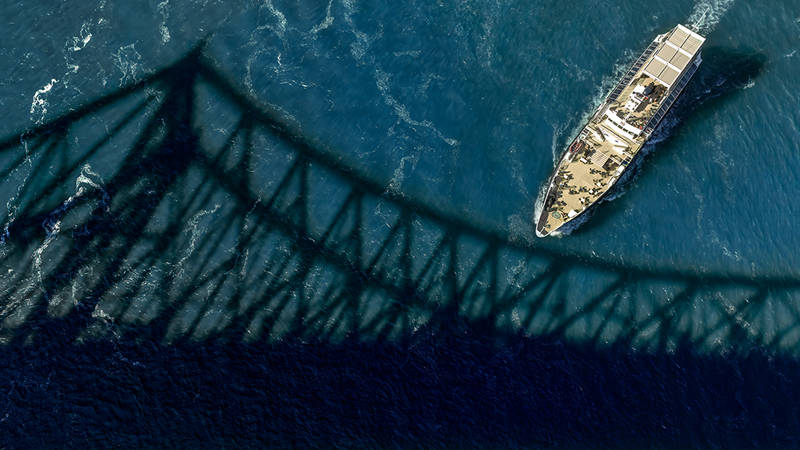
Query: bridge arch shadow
{"points": [[227, 222]]}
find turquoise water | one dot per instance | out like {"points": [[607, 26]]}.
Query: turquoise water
{"points": [[456, 112], [467, 105]]}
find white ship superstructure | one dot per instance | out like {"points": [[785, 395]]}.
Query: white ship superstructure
{"points": [[605, 147]]}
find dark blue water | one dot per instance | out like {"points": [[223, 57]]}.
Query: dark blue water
{"points": [[310, 224]]}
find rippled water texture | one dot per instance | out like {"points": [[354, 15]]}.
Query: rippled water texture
{"points": [[309, 224]]}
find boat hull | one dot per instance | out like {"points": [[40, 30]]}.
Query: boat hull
{"points": [[611, 139]]}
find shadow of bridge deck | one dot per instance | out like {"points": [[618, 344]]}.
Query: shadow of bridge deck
{"points": [[136, 211]]}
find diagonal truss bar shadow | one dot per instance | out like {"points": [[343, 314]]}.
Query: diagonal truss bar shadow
{"points": [[180, 207]]}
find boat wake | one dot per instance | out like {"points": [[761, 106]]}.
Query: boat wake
{"points": [[706, 15], [539, 205]]}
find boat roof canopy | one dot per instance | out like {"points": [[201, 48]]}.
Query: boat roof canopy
{"points": [[674, 54]]}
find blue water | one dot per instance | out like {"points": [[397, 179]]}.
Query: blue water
{"points": [[468, 105], [120, 286]]}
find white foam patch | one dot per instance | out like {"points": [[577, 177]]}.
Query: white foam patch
{"points": [[74, 45], [706, 15], [162, 28], [80, 41], [268, 55], [409, 53], [399, 173], [575, 71], [326, 22], [248, 77], [129, 62], [520, 230], [91, 179], [358, 48], [39, 103]]}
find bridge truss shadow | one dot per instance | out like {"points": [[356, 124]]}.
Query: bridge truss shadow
{"points": [[180, 206]]}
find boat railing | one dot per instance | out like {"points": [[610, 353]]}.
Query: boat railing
{"points": [[676, 91], [631, 72]]}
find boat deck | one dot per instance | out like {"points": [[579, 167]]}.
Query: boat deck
{"points": [[639, 117], [612, 138]]}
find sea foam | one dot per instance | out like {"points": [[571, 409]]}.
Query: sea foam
{"points": [[706, 15]]}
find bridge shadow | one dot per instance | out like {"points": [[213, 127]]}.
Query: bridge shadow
{"points": [[228, 222], [149, 238]]}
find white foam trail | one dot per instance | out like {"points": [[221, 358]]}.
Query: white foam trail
{"points": [[359, 50], [706, 15], [539, 205], [557, 130], [162, 28], [13, 204], [86, 179], [484, 46], [195, 228], [382, 82], [399, 173], [326, 22], [74, 45], [248, 78], [279, 16]]}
